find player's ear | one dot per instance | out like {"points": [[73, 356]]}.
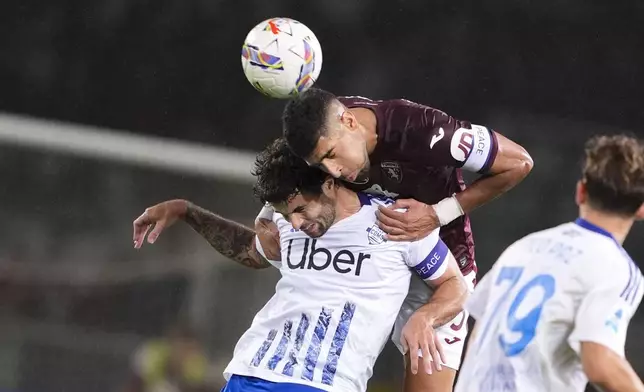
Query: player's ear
{"points": [[349, 120], [580, 193], [328, 185], [639, 215]]}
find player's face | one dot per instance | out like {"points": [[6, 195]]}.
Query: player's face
{"points": [[342, 152], [311, 214]]}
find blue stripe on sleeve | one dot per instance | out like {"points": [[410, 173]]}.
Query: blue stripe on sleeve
{"points": [[433, 261]]}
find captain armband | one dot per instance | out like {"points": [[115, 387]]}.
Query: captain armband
{"points": [[476, 148]]}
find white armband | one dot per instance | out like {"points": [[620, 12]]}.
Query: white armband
{"points": [[482, 149], [266, 213], [447, 210]]}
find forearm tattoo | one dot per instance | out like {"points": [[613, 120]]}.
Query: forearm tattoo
{"points": [[229, 238]]}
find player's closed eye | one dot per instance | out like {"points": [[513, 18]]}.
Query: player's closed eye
{"points": [[329, 154], [296, 210]]}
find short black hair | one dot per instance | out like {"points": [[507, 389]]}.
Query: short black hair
{"points": [[304, 120], [281, 175], [613, 171]]}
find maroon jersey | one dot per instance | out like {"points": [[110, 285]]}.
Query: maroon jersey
{"points": [[420, 154]]}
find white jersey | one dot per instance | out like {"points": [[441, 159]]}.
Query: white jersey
{"points": [[335, 304], [545, 295]]}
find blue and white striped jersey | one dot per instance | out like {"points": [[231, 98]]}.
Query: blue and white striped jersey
{"points": [[335, 304]]}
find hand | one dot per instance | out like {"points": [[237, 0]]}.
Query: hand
{"points": [[160, 216], [417, 222], [419, 335]]}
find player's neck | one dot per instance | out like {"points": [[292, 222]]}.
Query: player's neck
{"points": [[347, 204], [617, 226], [368, 126]]}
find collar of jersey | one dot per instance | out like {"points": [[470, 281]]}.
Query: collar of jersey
{"points": [[365, 200], [594, 228]]}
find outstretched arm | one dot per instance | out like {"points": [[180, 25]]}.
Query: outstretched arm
{"points": [[229, 238]]}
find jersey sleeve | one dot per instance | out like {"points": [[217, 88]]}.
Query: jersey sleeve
{"points": [[428, 257], [437, 139], [266, 214], [606, 310]]}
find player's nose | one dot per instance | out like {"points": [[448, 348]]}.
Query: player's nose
{"points": [[332, 169], [296, 222]]}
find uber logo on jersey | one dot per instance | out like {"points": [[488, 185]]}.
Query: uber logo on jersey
{"points": [[462, 144], [343, 262]]}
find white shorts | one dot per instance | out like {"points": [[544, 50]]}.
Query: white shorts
{"points": [[452, 334]]}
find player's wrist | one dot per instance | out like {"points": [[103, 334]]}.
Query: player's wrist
{"points": [[179, 208], [447, 210], [428, 316]]}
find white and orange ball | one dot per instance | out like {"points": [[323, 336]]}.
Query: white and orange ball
{"points": [[281, 57]]}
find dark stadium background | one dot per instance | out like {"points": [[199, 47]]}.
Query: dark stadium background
{"points": [[76, 299]]}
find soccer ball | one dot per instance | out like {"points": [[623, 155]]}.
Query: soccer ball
{"points": [[281, 57]]}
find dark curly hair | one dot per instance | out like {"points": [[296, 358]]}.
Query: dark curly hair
{"points": [[304, 120], [613, 170], [281, 175]]}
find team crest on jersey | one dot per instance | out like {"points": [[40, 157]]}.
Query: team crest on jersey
{"points": [[392, 170], [375, 235]]}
